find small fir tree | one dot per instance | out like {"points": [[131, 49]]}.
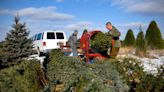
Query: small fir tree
{"points": [[129, 39], [140, 43], [153, 36], [17, 42]]}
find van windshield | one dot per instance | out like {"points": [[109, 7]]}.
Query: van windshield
{"points": [[60, 35], [50, 35], [39, 36]]}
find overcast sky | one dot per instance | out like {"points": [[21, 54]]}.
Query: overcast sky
{"points": [[68, 15]]}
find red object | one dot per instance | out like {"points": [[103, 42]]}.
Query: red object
{"points": [[85, 39], [44, 43], [85, 45]]}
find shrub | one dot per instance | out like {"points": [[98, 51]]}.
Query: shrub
{"points": [[4, 58], [141, 44], [138, 80], [153, 36], [21, 78], [163, 43], [67, 74], [129, 39]]}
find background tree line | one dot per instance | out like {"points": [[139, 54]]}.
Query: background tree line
{"points": [[151, 40]]}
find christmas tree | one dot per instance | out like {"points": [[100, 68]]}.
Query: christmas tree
{"points": [[17, 42], [153, 36], [140, 43], [129, 39]]}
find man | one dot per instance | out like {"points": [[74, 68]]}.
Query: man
{"points": [[116, 43], [73, 42]]}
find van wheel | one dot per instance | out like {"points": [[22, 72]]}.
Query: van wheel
{"points": [[41, 54]]}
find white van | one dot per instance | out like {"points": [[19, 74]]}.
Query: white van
{"points": [[48, 40]]}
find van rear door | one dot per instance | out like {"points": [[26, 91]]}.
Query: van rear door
{"points": [[61, 38], [50, 40]]}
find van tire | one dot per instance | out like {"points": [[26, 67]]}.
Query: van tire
{"points": [[41, 54]]}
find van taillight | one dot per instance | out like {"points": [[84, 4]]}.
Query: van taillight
{"points": [[44, 43]]}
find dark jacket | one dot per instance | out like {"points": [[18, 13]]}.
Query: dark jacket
{"points": [[72, 41]]}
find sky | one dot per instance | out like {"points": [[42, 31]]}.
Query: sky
{"points": [[68, 15]]}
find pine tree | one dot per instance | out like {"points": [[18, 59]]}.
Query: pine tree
{"points": [[129, 39], [17, 42], [153, 36], [101, 42], [163, 43], [140, 43]]}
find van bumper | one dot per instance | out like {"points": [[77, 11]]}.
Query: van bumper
{"points": [[47, 51]]}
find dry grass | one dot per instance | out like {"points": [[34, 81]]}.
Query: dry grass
{"points": [[149, 53], [126, 50], [155, 52]]}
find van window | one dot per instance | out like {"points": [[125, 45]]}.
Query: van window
{"points": [[39, 36], [42, 35], [35, 37], [50, 35], [60, 35]]}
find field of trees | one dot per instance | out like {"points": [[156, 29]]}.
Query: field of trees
{"points": [[151, 40], [71, 74]]}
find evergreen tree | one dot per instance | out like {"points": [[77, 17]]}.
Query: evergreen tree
{"points": [[140, 43], [153, 36], [129, 39], [163, 43], [17, 42], [101, 42]]}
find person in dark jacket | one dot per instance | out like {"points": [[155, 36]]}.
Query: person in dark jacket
{"points": [[73, 42], [116, 43]]}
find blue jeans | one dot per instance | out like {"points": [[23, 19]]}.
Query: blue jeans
{"points": [[74, 50]]}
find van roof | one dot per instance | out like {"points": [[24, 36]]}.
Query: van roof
{"points": [[54, 31], [50, 31]]}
